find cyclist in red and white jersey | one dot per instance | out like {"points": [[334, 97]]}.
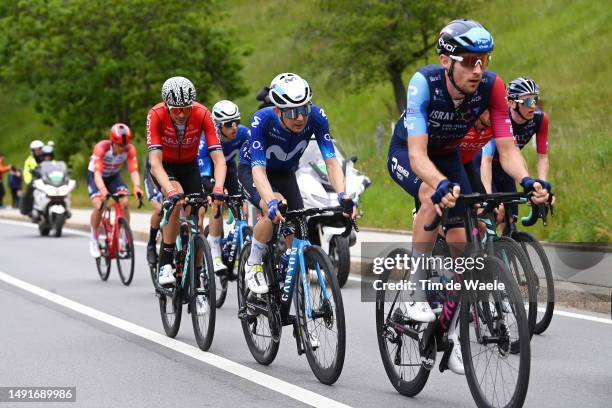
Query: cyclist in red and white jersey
{"points": [[103, 177], [174, 128]]}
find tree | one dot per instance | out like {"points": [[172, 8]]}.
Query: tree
{"points": [[91, 63], [367, 42]]}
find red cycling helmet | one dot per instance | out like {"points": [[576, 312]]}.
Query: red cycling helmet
{"points": [[120, 134]]}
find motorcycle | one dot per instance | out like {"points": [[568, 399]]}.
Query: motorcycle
{"points": [[317, 191], [52, 197]]}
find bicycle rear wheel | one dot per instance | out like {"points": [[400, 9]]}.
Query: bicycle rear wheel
{"points": [[125, 252], [326, 326], [511, 253], [400, 352], [103, 263], [202, 299], [490, 322], [262, 333], [545, 286]]}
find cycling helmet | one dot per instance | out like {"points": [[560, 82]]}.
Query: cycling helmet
{"points": [[463, 36], [178, 91], [289, 90], [224, 111], [120, 134], [522, 86], [36, 144]]}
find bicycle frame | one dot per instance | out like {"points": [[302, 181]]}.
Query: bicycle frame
{"points": [[112, 227]]}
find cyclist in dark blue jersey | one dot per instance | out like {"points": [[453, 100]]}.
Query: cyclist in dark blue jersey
{"points": [[527, 120], [279, 136], [232, 135], [443, 102]]}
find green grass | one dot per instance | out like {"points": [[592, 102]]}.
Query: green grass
{"points": [[563, 44]]}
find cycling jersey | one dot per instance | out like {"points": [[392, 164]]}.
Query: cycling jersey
{"points": [[230, 150], [179, 144], [431, 111], [473, 141], [523, 133], [275, 147], [104, 161]]}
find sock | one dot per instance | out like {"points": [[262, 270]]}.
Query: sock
{"points": [[153, 235], [167, 253], [215, 246], [94, 234], [418, 274], [257, 249]]}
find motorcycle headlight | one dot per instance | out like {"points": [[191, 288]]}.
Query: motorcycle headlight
{"points": [[63, 190]]}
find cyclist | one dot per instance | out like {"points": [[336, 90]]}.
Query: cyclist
{"points": [[443, 102], [103, 176], [233, 135], [470, 149], [155, 197], [527, 119], [29, 165], [279, 136], [174, 128]]}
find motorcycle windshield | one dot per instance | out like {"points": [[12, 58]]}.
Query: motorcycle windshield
{"points": [[54, 173]]}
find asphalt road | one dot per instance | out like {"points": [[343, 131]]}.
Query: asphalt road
{"points": [[130, 362]]}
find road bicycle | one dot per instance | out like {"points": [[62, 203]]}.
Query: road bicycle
{"points": [[306, 275], [492, 319], [195, 284], [231, 245], [115, 240]]}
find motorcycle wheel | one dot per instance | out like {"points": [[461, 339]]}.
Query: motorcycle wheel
{"points": [[43, 229], [58, 224]]}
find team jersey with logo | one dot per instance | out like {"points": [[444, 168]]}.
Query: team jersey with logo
{"points": [[430, 110], [473, 142], [231, 150], [108, 164], [275, 147], [523, 133], [179, 144]]}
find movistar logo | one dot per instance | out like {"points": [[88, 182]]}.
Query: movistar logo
{"points": [[284, 156], [255, 121]]}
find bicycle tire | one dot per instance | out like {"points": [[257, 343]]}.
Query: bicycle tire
{"points": [[476, 314], [401, 383], [510, 251], [204, 329], [331, 316], [220, 281], [340, 255], [103, 263], [126, 275], [527, 241], [171, 319], [263, 351]]}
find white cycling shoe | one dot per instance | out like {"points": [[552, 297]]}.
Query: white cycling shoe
{"points": [[255, 278], [166, 275], [420, 312], [218, 265], [94, 249], [455, 361]]}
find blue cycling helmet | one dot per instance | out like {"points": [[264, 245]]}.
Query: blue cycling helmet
{"points": [[463, 36]]}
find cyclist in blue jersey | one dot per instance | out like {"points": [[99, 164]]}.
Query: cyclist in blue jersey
{"points": [[443, 103], [233, 135], [527, 120], [279, 136]]}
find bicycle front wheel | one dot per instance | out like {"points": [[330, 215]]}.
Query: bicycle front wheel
{"points": [[491, 321], [323, 332], [545, 286], [202, 299], [125, 252]]}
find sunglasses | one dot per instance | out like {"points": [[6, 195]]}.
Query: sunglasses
{"points": [[119, 145], [293, 113], [529, 102], [230, 124], [180, 109], [470, 61]]}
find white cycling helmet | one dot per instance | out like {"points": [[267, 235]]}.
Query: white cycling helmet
{"points": [[289, 90], [178, 91], [36, 144], [224, 111]]}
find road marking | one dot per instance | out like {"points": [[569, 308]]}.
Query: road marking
{"points": [[267, 381], [352, 277]]}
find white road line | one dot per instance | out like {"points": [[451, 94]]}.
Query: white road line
{"points": [[267, 381], [352, 277]]}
